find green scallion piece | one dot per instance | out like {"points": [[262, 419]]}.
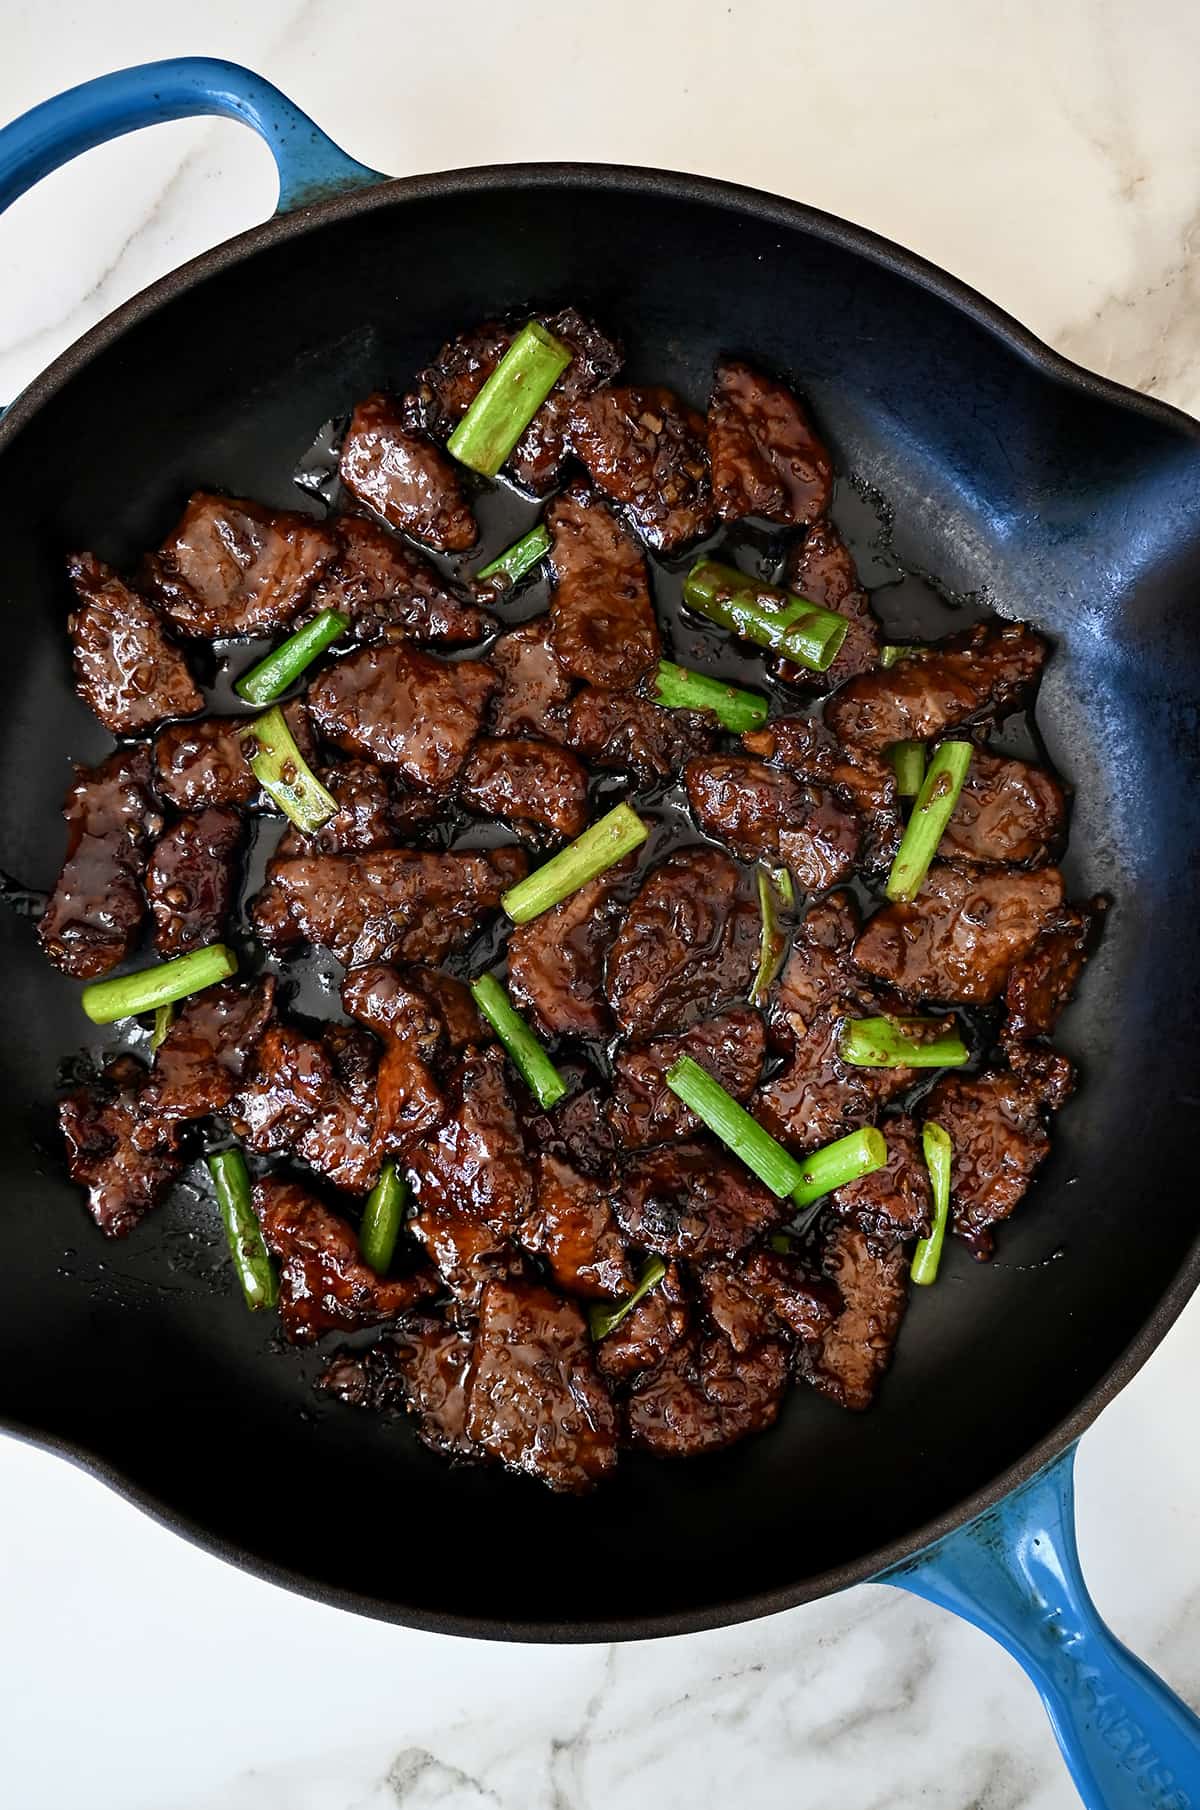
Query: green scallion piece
{"points": [[107, 1000], [888, 656], [901, 1043], [164, 1018], [788, 624], [681, 689], [382, 1218], [908, 764], [930, 815], [938, 1151], [272, 676], [509, 400], [528, 1057], [282, 770], [734, 1126], [846, 1160], [255, 1271], [521, 557], [604, 1320], [600, 847], [771, 940]]}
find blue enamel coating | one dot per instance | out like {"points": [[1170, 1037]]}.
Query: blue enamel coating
{"points": [[1131, 1743], [311, 167]]}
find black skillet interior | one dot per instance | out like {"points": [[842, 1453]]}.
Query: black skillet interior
{"points": [[1078, 513]]}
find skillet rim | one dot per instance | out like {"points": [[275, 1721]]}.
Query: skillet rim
{"points": [[860, 241]]}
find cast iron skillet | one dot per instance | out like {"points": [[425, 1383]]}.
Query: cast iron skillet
{"points": [[1074, 503]]}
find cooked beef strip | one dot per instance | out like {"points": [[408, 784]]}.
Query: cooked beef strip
{"points": [[391, 904], [660, 1321], [534, 1400], [602, 623], [451, 1000], [1009, 814], [207, 762], [556, 960], [645, 1111], [405, 709], [405, 478], [366, 818], [863, 780], [291, 1079], [962, 933], [95, 911], [209, 1049], [995, 1124], [763, 813], [124, 1154], [237, 568], [191, 880], [822, 569], [127, 669], [688, 943], [580, 1130], [324, 1286], [645, 449], [618, 729], [765, 456], [475, 1163], [530, 785], [534, 689], [705, 1396], [894, 1202], [1052, 1075], [409, 1101], [341, 1141], [692, 1200], [446, 389], [572, 1226], [390, 591], [767, 1295], [466, 1252], [987, 669], [851, 1359], [380, 996], [424, 1368], [1042, 983]]}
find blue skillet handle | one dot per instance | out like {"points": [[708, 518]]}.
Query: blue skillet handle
{"points": [[311, 167], [1131, 1743]]}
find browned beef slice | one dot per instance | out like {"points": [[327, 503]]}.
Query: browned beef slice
{"points": [[573, 1228], [340, 1141], [381, 997], [619, 729], [894, 1202], [208, 762], [765, 456], [650, 1330], [475, 1163], [451, 1000], [534, 689], [705, 1396], [124, 1154], [580, 1130], [389, 904], [767, 1295], [764, 813], [409, 1101], [602, 623], [556, 960], [405, 709], [534, 1400], [851, 1359], [691, 1200], [1009, 814], [390, 591], [688, 944], [209, 1049], [646, 450], [291, 1079], [1042, 983], [645, 1111], [127, 670], [237, 568], [424, 1369], [405, 478], [529, 784], [466, 1253], [366, 816], [446, 389], [324, 1286], [93, 916], [191, 880], [995, 1122], [987, 669], [857, 777], [961, 935], [822, 569]]}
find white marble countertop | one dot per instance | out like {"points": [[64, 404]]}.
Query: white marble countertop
{"points": [[1050, 156]]}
